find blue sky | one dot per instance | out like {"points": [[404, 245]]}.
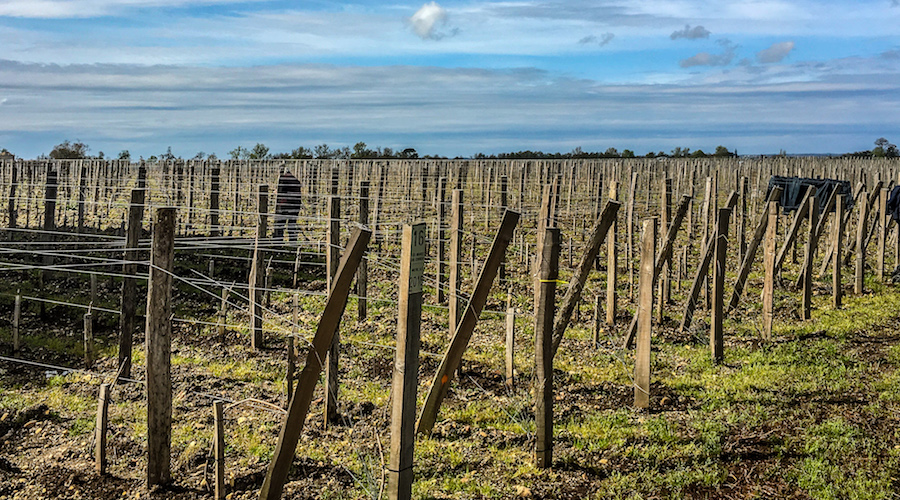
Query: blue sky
{"points": [[449, 77]]}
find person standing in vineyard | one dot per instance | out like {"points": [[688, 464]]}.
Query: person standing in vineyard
{"points": [[287, 205]]}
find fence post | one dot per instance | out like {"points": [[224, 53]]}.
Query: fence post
{"points": [[219, 450], [716, 338], [100, 430], [257, 269], [543, 347], [456, 228], [612, 259], [129, 282], [11, 200], [331, 256], [17, 317], [882, 232], [768, 297], [510, 341], [214, 203], [406, 362], [837, 242], [644, 315], [811, 244], [861, 244], [88, 340], [362, 274], [158, 346]]}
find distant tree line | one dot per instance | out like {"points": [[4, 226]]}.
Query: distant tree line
{"points": [[79, 150]]}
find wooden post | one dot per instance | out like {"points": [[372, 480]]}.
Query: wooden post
{"points": [[750, 253], [291, 366], [219, 450], [791, 236], [665, 285], [769, 255], [331, 258], [11, 200], [837, 238], [811, 244], [257, 269], [510, 341], [406, 362], [744, 192], [629, 234], [362, 274], [17, 317], [456, 235], [222, 315], [158, 347], [299, 406], [612, 254], [645, 316], [861, 245], [598, 313], [127, 320], [543, 347], [88, 341], [452, 357], [214, 230], [716, 337], [882, 222], [442, 245], [82, 191], [100, 430]]}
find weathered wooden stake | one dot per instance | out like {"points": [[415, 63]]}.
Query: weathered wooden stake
{"points": [[17, 317], [362, 274], [331, 258], [406, 362], [811, 244], [861, 246], [612, 260], [716, 336], [543, 347], [456, 236], [257, 270], [769, 256], [837, 238], [299, 406], [158, 347], [452, 357], [219, 450], [100, 430], [88, 340], [645, 315], [127, 320], [510, 341]]}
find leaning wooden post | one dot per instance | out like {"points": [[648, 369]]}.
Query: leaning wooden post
{"points": [[100, 430], [452, 357], [576, 283], [362, 274], [750, 253], [543, 347], [837, 241], [645, 315], [612, 260], [331, 258], [406, 362], [861, 244], [811, 244], [257, 269], [306, 383], [456, 235], [17, 316], [769, 256], [510, 341], [219, 445], [158, 347], [129, 282], [716, 334]]}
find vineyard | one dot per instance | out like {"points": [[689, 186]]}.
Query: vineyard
{"points": [[449, 329]]}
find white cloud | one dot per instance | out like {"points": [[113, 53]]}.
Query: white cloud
{"points": [[689, 33], [775, 53], [428, 21], [71, 9]]}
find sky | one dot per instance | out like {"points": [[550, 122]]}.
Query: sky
{"points": [[452, 78]]}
